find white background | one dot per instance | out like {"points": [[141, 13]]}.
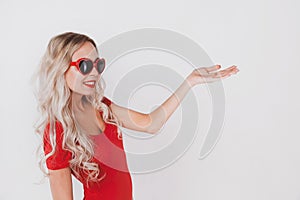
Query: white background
{"points": [[258, 156]]}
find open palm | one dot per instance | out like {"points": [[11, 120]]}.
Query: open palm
{"points": [[210, 74]]}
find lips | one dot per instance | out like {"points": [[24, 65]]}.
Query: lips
{"points": [[90, 84]]}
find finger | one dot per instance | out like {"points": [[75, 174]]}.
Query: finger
{"points": [[213, 68], [226, 76], [229, 69], [220, 74], [201, 70], [224, 73]]}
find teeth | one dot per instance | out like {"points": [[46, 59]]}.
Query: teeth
{"points": [[90, 82]]}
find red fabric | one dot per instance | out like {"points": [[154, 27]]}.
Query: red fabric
{"points": [[60, 158], [109, 155], [106, 100]]}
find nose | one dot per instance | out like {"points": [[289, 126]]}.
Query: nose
{"points": [[94, 71]]}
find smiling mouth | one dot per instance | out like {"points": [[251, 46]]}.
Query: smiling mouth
{"points": [[90, 84]]}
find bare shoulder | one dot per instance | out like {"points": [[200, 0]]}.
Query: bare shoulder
{"points": [[131, 119]]}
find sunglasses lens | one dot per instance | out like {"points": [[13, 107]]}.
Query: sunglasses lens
{"points": [[85, 66], [100, 65]]}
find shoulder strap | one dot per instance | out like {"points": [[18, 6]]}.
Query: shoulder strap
{"points": [[106, 101]]}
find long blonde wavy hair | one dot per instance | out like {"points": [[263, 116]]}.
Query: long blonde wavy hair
{"points": [[54, 104]]}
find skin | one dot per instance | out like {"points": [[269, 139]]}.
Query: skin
{"points": [[87, 117], [60, 180]]}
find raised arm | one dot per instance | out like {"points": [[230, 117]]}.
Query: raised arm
{"points": [[200, 75], [61, 184], [152, 122]]}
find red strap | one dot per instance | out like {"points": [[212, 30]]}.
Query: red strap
{"points": [[106, 101]]}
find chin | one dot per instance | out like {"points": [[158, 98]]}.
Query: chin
{"points": [[89, 93]]}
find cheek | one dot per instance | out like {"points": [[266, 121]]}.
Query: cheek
{"points": [[72, 79]]}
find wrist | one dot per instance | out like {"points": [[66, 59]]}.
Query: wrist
{"points": [[189, 82]]}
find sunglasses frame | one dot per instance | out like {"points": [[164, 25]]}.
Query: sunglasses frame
{"points": [[77, 62]]}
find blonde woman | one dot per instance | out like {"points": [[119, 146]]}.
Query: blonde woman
{"points": [[76, 119]]}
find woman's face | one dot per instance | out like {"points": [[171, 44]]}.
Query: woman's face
{"points": [[76, 81]]}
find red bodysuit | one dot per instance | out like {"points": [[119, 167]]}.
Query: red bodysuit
{"points": [[117, 183]]}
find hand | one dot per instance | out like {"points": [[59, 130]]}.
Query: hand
{"points": [[210, 74]]}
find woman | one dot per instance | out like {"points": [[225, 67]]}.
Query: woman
{"points": [[77, 120]]}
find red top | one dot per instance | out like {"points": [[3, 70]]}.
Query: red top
{"points": [[109, 155]]}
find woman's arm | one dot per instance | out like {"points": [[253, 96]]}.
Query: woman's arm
{"points": [[198, 76], [152, 122], [61, 184]]}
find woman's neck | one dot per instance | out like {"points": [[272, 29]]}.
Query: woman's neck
{"points": [[79, 102]]}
